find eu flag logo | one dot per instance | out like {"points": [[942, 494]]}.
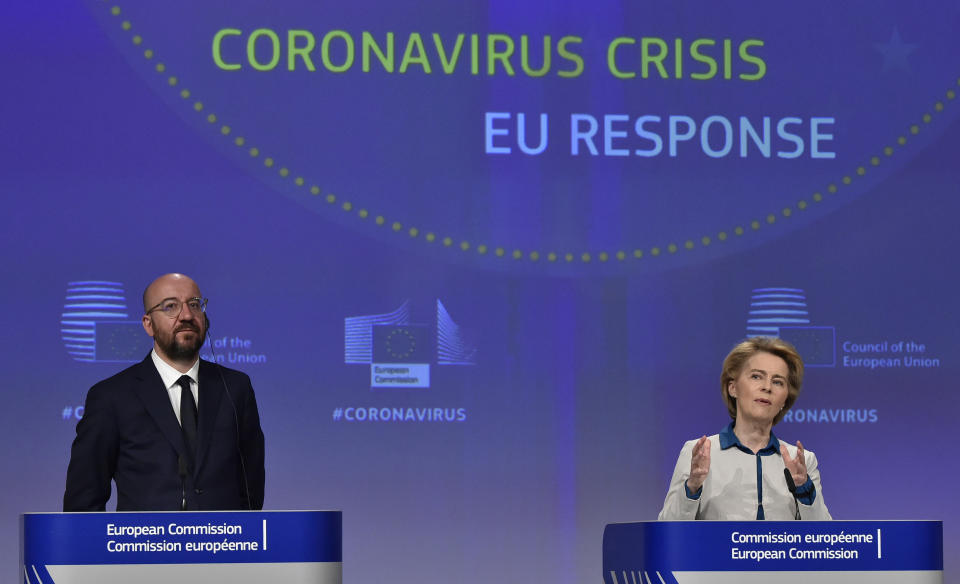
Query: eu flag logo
{"points": [[816, 344], [121, 341], [402, 343]]}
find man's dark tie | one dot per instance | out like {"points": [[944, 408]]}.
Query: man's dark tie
{"points": [[188, 418]]}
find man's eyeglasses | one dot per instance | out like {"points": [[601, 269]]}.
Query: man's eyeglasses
{"points": [[172, 307]]}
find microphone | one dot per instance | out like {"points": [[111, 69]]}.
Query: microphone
{"points": [[792, 487], [236, 417], [182, 471]]}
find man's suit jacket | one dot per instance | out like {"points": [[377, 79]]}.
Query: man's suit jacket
{"points": [[129, 433]]}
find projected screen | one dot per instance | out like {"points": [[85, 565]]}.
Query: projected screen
{"points": [[482, 260]]}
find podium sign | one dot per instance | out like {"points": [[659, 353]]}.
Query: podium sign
{"points": [[210, 546], [742, 552]]}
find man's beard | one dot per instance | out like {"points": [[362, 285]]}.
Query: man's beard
{"points": [[176, 349]]}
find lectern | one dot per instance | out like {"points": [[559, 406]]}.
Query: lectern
{"points": [[181, 547], [785, 552]]}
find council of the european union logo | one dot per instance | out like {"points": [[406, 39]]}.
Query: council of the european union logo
{"points": [[400, 351], [782, 312], [96, 326]]}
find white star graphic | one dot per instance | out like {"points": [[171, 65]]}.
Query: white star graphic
{"points": [[895, 52]]}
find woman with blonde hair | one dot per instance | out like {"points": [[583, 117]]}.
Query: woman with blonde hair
{"points": [[745, 472]]}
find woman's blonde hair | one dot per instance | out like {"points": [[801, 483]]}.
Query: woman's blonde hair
{"points": [[735, 361]]}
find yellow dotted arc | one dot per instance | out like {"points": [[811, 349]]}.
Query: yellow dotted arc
{"points": [[552, 256]]}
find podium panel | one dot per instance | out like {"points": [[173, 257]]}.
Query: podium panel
{"points": [[787, 552], [210, 546]]}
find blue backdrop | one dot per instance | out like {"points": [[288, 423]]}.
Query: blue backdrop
{"points": [[483, 260]]}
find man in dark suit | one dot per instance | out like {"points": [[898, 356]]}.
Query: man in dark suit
{"points": [[173, 432]]}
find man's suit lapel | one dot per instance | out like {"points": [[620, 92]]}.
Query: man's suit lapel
{"points": [[153, 394], [211, 393]]}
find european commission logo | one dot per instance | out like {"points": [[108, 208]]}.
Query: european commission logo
{"points": [[782, 312], [400, 351], [96, 326]]}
